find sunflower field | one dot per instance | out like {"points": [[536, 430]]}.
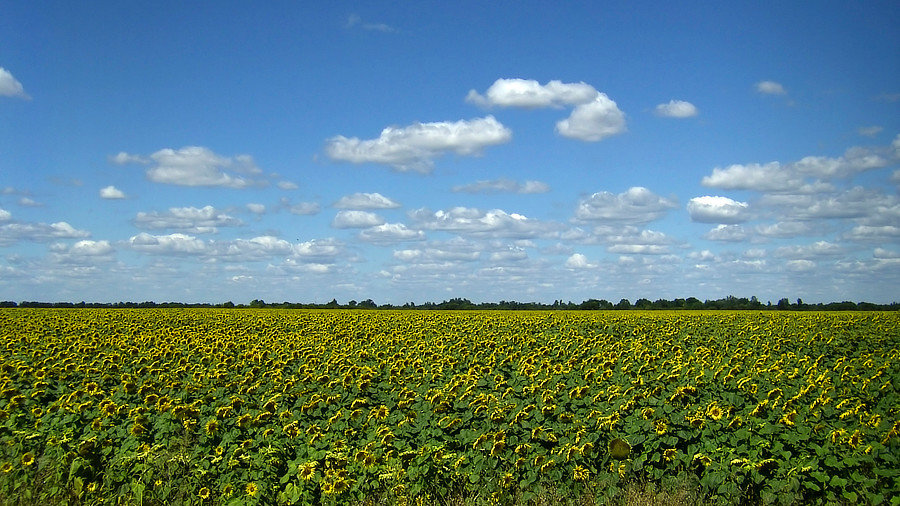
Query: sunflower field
{"points": [[264, 406]]}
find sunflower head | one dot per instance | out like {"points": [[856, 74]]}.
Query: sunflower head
{"points": [[27, 459], [619, 449], [251, 489], [204, 493]]}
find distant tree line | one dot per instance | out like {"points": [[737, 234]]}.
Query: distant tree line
{"points": [[690, 303]]}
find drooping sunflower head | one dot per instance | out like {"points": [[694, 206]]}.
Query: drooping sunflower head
{"points": [[619, 449], [27, 459]]}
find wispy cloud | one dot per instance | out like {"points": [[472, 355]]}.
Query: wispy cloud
{"points": [[355, 21]]}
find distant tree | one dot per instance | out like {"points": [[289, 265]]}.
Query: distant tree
{"points": [[623, 304], [783, 304], [643, 304]]}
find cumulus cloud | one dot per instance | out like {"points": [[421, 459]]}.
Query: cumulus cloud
{"points": [[715, 209], [493, 223], [122, 158], [203, 220], [528, 93], [356, 219], [579, 261], [287, 185], [727, 233], [676, 109], [38, 232], [416, 146], [196, 166], [304, 208], [455, 251], [5, 215], [171, 244], [771, 177], [593, 121], [503, 186], [91, 248], [634, 206], [256, 208], [770, 88], [784, 229], [366, 201], [10, 87], [817, 249], [390, 233], [111, 192]]}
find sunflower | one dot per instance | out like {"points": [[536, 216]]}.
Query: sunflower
{"points": [[27, 459], [669, 454], [660, 427], [251, 489], [212, 426], [6, 467], [580, 473], [307, 470], [715, 412], [204, 493]]}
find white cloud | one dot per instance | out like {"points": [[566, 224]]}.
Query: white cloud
{"points": [[91, 248], [528, 93], [356, 219], [817, 249], [111, 192], [636, 205], [10, 87], [190, 219], [5, 215], [29, 202], [800, 265], [38, 232], [171, 244], [416, 146], [390, 233], [287, 185], [579, 261], [304, 208], [366, 201], [769, 177], [354, 21], [593, 121], [455, 251], [784, 229], [715, 209], [727, 233], [638, 249], [770, 88], [256, 208], [869, 233], [195, 166], [885, 253], [122, 158], [503, 186], [676, 109], [855, 160], [494, 223], [869, 131]]}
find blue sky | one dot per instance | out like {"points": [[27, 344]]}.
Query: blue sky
{"points": [[530, 151]]}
